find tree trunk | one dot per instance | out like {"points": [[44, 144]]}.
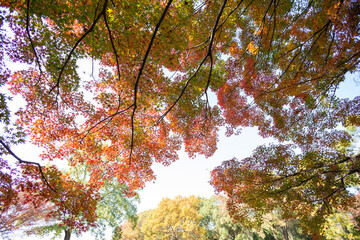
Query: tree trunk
{"points": [[67, 234]]}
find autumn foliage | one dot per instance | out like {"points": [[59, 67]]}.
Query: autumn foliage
{"points": [[206, 218], [26, 200], [157, 67]]}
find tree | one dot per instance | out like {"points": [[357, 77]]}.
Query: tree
{"points": [[340, 225], [304, 186], [220, 225], [343, 224], [355, 212], [26, 200], [218, 222], [93, 210], [214, 219], [272, 64], [74, 204], [114, 207], [17, 210], [175, 219], [277, 228], [133, 230]]}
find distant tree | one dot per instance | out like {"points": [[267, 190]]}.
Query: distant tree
{"points": [[278, 228], [133, 230], [178, 218], [109, 206], [343, 223], [221, 225], [340, 225], [113, 208], [355, 211], [18, 211], [174, 219], [218, 222]]}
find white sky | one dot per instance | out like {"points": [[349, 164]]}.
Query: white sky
{"points": [[190, 176]]}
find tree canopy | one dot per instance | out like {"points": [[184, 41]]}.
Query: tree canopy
{"points": [[207, 218], [157, 66], [175, 219]]}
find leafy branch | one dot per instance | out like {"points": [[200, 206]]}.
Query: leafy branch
{"points": [[28, 162], [139, 76], [102, 13]]}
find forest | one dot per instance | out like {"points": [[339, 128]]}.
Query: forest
{"points": [[170, 75]]}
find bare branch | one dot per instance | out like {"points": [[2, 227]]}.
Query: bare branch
{"points": [[337, 190], [105, 119], [182, 92], [304, 181], [199, 45], [274, 26], [346, 159], [298, 16], [230, 13]]}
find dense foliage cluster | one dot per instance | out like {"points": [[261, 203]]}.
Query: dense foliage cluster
{"points": [[201, 218], [157, 66]]}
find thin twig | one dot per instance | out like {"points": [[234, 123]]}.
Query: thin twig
{"points": [[30, 38], [103, 120]]}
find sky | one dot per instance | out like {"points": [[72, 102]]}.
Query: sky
{"points": [[191, 176], [187, 176]]}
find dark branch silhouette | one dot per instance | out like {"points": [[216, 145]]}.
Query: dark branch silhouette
{"points": [[140, 73], [28, 162], [103, 12]]}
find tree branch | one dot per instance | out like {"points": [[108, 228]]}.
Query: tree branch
{"points": [[30, 39], [140, 73], [103, 11], [103, 120], [28, 162], [208, 54], [113, 46]]}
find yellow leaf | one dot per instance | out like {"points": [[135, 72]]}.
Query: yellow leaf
{"points": [[252, 48]]}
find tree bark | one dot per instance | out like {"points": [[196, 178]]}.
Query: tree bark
{"points": [[67, 234]]}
